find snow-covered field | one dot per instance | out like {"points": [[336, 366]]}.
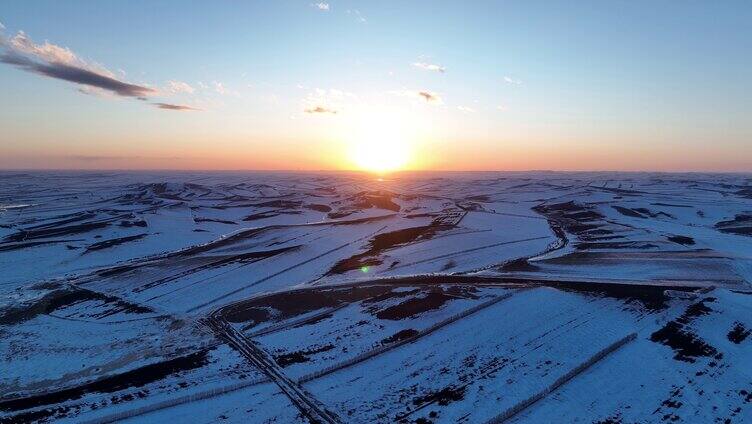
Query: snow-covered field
{"points": [[341, 297]]}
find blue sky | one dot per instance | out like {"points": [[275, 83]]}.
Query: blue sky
{"points": [[514, 85]]}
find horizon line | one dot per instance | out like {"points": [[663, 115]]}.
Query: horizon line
{"points": [[360, 171]]}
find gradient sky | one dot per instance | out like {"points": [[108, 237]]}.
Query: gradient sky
{"points": [[498, 85]]}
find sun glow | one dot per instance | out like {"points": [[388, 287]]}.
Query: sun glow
{"points": [[382, 146]]}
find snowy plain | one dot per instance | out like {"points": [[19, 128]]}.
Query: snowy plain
{"points": [[343, 297]]}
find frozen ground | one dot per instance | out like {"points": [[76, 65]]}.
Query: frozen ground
{"points": [[338, 297]]}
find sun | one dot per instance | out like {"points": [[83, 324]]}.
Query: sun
{"points": [[381, 146]]}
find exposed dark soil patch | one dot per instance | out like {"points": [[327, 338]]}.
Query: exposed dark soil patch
{"points": [[684, 240], [75, 218], [435, 299], [319, 208], [479, 198], [399, 336], [339, 214], [391, 294], [244, 258], [385, 241], [116, 270], [282, 305], [282, 204], [161, 190], [289, 304], [420, 215], [55, 232], [686, 345], [353, 263], [269, 214], [570, 210], [135, 223], [671, 205], [219, 221], [613, 419], [519, 265], [651, 297], [417, 301], [741, 224], [39, 416], [443, 397], [300, 356], [66, 297], [114, 242], [408, 235], [648, 212], [572, 217], [615, 245], [23, 245], [695, 310], [641, 212], [739, 333], [376, 199], [628, 212], [745, 192], [134, 378], [447, 266], [252, 314], [219, 243]]}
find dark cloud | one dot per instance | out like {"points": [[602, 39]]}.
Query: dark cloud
{"points": [[168, 106], [76, 75], [430, 97], [320, 109]]}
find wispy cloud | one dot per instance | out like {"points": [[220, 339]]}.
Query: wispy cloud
{"points": [[510, 80], [219, 87], [320, 109], [322, 6], [466, 109], [168, 106], [179, 87], [423, 95], [327, 100], [502, 108], [430, 97], [61, 63], [429, 67], [2, 27], [222, 89], [358, 16]]}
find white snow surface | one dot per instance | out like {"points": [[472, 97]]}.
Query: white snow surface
{"points": [[417, 298]]}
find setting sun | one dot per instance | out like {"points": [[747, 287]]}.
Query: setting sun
{"points": [[381, 146]]}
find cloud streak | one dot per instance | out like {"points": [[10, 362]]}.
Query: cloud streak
{"points": [[510, 80], [180, 87], [168, 106], [320, 109], [61, 63], [429, 67], [423, 95], [430, 97], [322, 6], [358, 16]]}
